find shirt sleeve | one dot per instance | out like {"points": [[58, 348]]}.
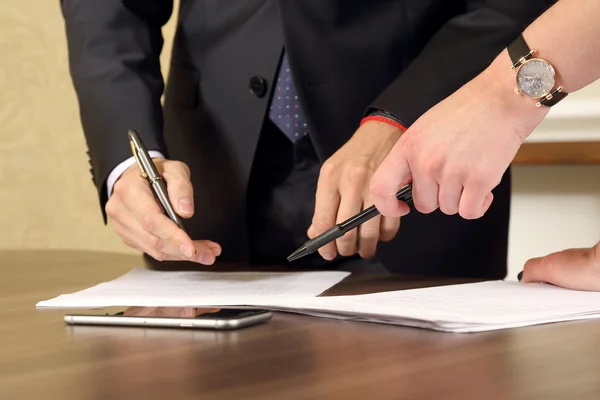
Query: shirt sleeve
{"points": [[116, 173]]}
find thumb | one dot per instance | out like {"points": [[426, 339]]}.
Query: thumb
{"points": [[576, 269], [179, 187], [392, 174]]}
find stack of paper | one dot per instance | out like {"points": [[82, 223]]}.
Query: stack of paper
{"points": [[474, 307], [143, 287], [463, 308]]}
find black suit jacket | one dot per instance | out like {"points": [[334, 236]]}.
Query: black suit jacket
{"points": [[402, 56]]}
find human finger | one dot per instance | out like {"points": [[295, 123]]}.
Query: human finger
{"points": [[327, 200], [391, 175], [162, 239], [352, 186], [368, 232], [576, 269], [388, 228], [179, 187], [476, 197], [425, 193], [449, 196]]}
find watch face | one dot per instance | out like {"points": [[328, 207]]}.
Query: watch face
{"points": [[536, 78]]}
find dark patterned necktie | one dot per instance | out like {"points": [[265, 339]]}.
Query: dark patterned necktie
{"points": [[285, 111]]}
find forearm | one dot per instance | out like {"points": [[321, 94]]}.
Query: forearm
{"points": [[568, 36], [460, 50], [114, 51]]}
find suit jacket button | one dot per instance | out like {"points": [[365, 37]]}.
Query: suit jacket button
{"points": [[258, 86]]}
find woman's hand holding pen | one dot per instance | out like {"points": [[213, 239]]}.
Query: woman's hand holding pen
{"points": [[457, 152], [140, 222]]}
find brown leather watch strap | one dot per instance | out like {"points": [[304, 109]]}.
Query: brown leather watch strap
{"points": [[518, 49], [556, 97]]}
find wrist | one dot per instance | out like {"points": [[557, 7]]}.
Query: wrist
{"points": [[123, 167], [374, 134], [499, 82], [158, 160], [385, 117]]}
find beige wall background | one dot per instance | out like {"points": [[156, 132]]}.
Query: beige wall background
{"points": [[47, 199]]}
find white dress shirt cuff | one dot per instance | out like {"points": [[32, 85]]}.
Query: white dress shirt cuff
{"points": [[116, 173]]}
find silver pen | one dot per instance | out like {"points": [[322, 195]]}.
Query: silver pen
{"points": [[150, 173]]}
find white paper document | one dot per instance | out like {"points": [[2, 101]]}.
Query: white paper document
{"points": [[142, 287], [473, 307]]}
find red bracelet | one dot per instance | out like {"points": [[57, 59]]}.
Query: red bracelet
{"points": [[383, 119]]}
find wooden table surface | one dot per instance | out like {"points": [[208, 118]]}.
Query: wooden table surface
{"points": [[291, 357]]}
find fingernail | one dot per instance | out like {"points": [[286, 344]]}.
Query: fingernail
{"points": [[329, 257], [186, 205], [216, 251], [206, 258], [520, 276], [186, 250]]}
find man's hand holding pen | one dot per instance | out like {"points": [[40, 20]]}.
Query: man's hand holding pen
{"points": [[141, 223], [343, 192], [150, 197]]}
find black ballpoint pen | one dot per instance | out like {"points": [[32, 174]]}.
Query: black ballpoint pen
{"points": [[339, 230]]}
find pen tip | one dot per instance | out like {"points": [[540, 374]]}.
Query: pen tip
{"points": [[301, 252]]}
